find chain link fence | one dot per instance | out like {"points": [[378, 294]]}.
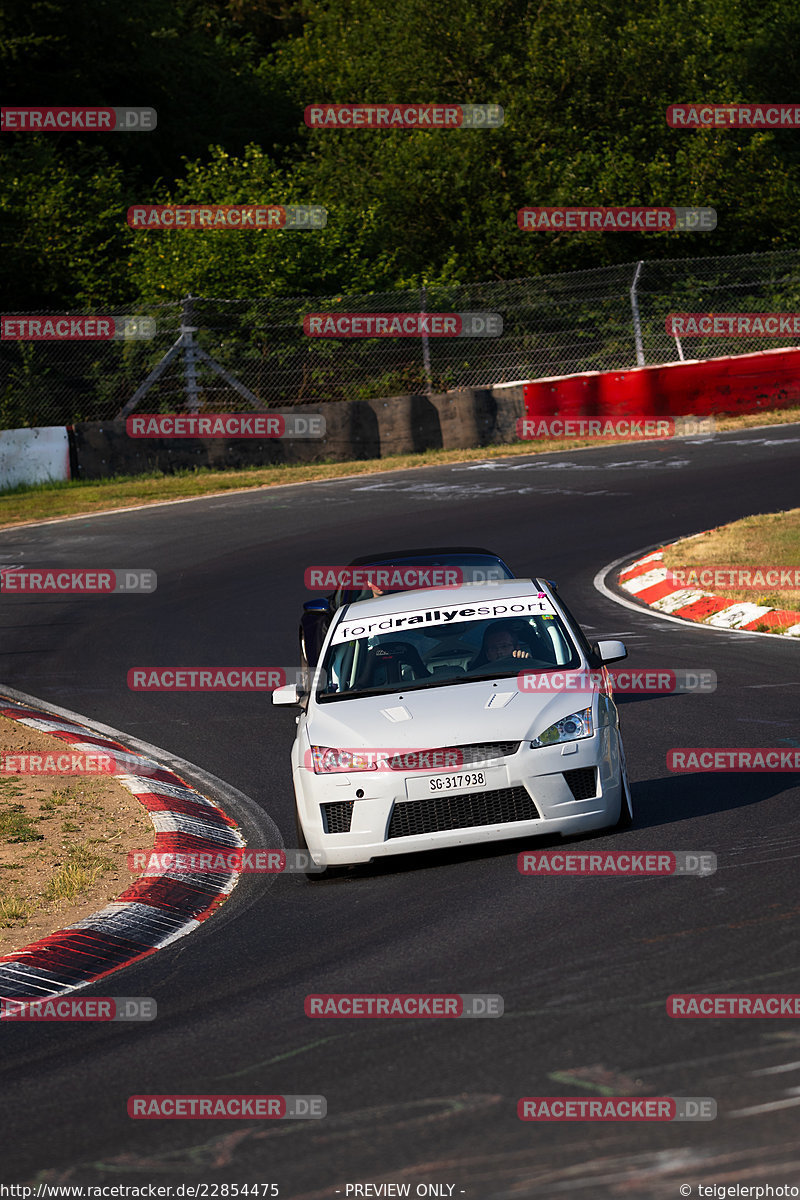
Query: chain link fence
{"points": [[215, 355]]}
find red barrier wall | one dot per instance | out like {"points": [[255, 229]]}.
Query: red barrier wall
{"points": [[740, 383]]}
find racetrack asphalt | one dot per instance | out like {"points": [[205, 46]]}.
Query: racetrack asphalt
{"points": [[585, 965]]}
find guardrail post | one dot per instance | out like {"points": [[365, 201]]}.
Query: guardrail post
{"points": [[188, 329], [426, 349], [637, 324]]}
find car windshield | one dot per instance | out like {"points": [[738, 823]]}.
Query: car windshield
{"points": [[428, 647]]}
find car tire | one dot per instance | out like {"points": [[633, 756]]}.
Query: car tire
{"points": [[302, 844], [625, 820]]}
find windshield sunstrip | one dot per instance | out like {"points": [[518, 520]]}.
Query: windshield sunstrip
{"points": [[522, 606]]}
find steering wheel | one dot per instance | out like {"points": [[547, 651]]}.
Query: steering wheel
{"points": [[391, 657]]}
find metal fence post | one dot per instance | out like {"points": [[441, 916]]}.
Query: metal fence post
{"points": [[190, 352], [194, 354], [637, 324], [426, 349]]}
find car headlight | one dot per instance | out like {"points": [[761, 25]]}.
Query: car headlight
{"points": [[568, 729], [327, 760]]}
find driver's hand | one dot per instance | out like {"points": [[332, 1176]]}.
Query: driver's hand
{"points": [[521, 654]]}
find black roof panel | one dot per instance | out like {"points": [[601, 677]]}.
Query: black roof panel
{"points": [[393, 556]]}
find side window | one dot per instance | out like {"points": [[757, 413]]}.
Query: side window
{"points": [[575, 629], [563, 652], [340, 664], [540, 643]]}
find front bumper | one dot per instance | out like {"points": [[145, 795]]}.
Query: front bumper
{"points": [[342, 828]]}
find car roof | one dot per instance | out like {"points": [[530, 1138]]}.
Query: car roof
{"points": [[447, 597], [391, 556]]}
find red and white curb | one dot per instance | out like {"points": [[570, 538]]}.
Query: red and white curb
{"points": [[648, 580], [153, 911]]}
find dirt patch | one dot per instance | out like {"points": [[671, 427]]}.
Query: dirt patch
{"points": [[63, 842]]}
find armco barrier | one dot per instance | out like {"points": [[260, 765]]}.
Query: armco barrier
{"points": [[33, 455], [473, 417], [355, 429], [466, 419], [626, 394], [567, 396], [103, 448], [741, 383], [406, 424]]}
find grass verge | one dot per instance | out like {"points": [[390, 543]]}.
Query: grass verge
{"points": [[763, 540], [78, 873]]}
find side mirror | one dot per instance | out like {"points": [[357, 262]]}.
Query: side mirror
{"points": [[320, 606], [610, 650], [288, 695]]}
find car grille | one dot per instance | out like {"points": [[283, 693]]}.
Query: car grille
{"points": [[463, 756], [582, 782], [438, 813], [336, 817]]}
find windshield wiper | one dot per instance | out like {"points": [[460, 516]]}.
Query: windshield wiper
{"points": [[324, 697], [418, 685]]}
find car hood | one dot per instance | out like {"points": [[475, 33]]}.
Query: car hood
{"points": [[464, 714]]}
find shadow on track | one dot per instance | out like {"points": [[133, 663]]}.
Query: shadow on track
{"points": [[657, 803]]}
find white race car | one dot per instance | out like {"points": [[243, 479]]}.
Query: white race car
{"points": [[450, 716]]}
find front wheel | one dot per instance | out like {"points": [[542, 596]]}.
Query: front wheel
{"points": [[626, 799], [302, 844]]}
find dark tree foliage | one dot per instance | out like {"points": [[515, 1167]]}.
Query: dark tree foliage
{"points": [[584, 87]]}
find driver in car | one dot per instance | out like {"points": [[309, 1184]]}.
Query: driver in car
{"points": [[499, 642]]}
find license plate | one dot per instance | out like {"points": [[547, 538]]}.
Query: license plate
{"points": [[444, 783]]}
